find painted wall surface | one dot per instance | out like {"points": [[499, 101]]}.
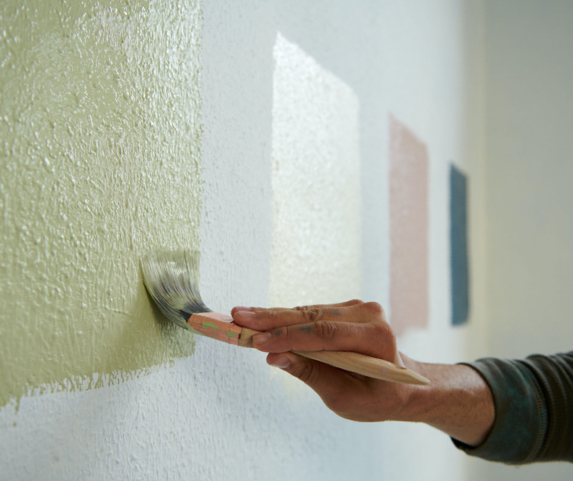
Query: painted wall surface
{"points": [[100, 161], [316, 239], [408, 229], [460, 270], [203, 79], [529, 178]]}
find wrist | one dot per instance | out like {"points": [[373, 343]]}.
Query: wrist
{"points": [[417, 401], [457, 401]]}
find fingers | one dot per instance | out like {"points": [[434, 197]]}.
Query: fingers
{"points": [[351, 326], [371, 339], [265, 319], [279, 309], [352, 302]]}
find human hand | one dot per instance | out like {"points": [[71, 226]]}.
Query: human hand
{"points": [[350, 326]]}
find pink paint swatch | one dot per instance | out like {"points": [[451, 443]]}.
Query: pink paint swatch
{"points": [[408, 229]]}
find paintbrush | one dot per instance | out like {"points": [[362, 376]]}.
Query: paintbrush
{"points": [[172, 280]]}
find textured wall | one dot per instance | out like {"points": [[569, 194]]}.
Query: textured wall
{"points": [[99, 162], [316, 240], [222, 413]]}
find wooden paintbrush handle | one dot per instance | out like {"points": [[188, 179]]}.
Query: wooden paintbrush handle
{"points": [[354, 362], [367, 366]]}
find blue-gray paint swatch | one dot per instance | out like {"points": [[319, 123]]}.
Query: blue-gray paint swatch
{"points": [[459, 247]]}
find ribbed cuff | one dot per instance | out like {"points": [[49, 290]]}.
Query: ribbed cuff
{"points": [[520, 413]]}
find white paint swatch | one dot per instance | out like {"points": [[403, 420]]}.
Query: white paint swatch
{"points": [[315, 255]]}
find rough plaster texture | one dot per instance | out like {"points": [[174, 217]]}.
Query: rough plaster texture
{"points": [[183, 423], [223, 414], [316, 240], [99, 163]]}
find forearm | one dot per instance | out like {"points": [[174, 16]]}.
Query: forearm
{"points": [[533, 399], [457, 401], [510, 411]]}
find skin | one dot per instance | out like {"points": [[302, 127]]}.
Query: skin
{"points": [[457, 401]]}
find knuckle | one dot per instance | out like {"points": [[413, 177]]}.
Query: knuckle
{"points": [[384, 337], [383, 331], [374, 307], [373, 310], [325, 329], [279, 333], [310, 314], [354, 302]]}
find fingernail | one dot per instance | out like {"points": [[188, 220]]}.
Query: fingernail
{"points": [[242, 308], [246, 314], [261, 338], [281, 362]]}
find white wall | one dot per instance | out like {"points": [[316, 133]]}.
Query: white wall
{"points": [[529, 195], [530, 200], [222, 413]]}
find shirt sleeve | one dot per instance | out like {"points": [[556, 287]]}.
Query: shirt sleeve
{"points": [[533, 409]]}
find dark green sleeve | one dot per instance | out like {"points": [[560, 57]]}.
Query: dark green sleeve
{"points": [[533, 409]]}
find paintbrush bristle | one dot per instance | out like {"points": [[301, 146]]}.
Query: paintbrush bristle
{"points": [[172, 280]]}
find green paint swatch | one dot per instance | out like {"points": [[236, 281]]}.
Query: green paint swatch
{"points": [[100, 139]]}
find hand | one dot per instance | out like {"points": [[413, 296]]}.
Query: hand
{"points": [[457, 401], [351, 326]]}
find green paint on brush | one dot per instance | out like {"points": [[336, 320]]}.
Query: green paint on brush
{"points": [[231, 334], [207, 325]]}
